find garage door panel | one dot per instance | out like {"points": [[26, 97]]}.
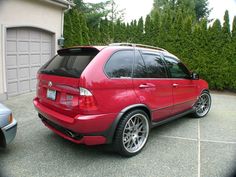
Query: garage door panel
{"points": [[11, 34], [23, 46], [24, 73], [12, 88], [23, 34], [11, 46], [24, 60], [35, 35], [24, 86], [46, 47], [35, 59], [35, 46], [26, 51], [11, 60], [12, 74]]}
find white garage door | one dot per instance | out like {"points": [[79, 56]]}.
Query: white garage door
{"points": [[26, 50]]}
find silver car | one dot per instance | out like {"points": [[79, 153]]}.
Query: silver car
{"points": [[8, 126]]}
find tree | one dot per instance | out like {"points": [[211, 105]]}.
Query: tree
{"points": [[233, 56], [198, 8], [201, 9], [226, 25], [234, 28], [75, 28], [140, 31], [84, 30], [114, 15], [72, 28]]}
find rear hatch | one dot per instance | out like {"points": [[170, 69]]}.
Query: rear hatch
{"points": [[59, 79]]}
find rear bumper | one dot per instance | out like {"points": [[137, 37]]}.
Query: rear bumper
{"points": [[9, 132], [85, 129]]}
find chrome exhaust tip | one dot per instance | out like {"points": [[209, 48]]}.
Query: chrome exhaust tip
{"points": [[70, 134]]}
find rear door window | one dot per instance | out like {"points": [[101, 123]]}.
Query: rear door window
{"points": [[120, 64], [149, 65], [69, 64]]}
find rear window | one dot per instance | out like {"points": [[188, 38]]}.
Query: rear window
{"points": [[68, 63]]}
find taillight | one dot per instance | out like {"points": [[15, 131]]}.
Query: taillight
{"points": [[38, 86], [86, 101], [10, 118]]}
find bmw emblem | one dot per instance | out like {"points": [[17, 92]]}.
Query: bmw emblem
{"points": [[49, 83]]}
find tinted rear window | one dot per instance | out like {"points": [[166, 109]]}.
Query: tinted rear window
{"points": [[68, 64], [120, 64]]}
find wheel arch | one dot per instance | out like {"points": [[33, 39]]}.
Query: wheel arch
{"points": [[205, 90], [111, 131]]}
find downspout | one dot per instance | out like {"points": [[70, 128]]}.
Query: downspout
{"points": [[62, 20]]}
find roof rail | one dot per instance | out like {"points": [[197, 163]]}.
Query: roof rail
{"points": [[137, 45]]}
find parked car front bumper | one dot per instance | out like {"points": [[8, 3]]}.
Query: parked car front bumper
{"points": [[9, 131]]}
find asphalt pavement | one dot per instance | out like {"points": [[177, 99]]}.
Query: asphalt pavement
{"points": [[186, 147]]}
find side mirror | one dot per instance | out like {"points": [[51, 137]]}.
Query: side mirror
{"points": [[194, 76]]}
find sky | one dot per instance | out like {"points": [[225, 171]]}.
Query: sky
{"points": [[134, 9]]}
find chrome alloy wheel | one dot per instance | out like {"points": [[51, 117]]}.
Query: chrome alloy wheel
{"points": [[203, 104], [135, 133]]}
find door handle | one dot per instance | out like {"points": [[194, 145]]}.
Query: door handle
{"points": [[148, 85], [175, 85]]}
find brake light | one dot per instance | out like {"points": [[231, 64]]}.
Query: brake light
{"points": [[86, 101]]}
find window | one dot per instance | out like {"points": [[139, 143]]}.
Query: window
{"points": [[149, 65], [67, 65], [140, 70], [176, 68], [120, 64]]}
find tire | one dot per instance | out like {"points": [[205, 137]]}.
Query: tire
{"points": [[132, 133], [2, 140], [203, 105]]}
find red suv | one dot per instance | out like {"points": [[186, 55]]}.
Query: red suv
{"points": [[116, 94]]}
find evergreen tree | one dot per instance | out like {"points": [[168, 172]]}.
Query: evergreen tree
{"points": [[149, 32], [233, 57], [140, 31], [84, 30], [76, 31], [201, 9], [67, 29], [226, 26], [234, 28]]}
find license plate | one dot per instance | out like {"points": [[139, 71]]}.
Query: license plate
{"points": [[51, 94]]}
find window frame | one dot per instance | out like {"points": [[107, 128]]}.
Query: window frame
{"points": [[132, 68]]}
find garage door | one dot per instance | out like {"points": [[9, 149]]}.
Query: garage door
{"points": [[26, 50]]}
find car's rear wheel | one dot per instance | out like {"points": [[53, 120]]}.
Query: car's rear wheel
{"points": [[132, 133], [202, 105]]}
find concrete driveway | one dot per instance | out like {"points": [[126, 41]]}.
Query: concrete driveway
{"points": [[186, 147]]}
